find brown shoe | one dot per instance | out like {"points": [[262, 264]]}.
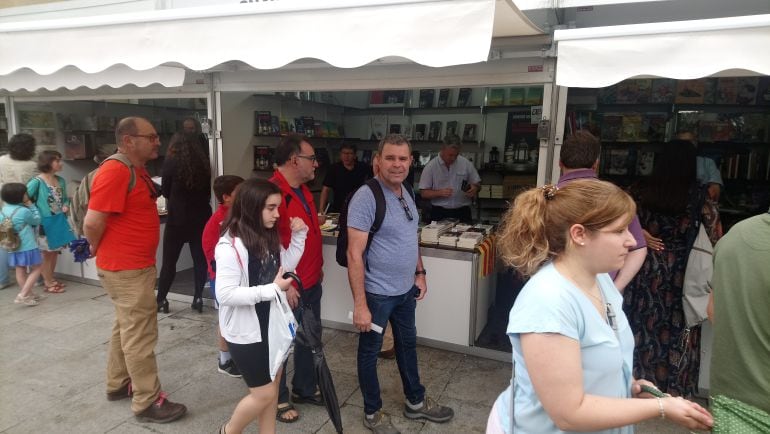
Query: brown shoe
{"points": [[388, 354], [162, 411], [122, 393]]}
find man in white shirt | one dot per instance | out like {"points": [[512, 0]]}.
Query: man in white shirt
{"points": [[450, 182]]}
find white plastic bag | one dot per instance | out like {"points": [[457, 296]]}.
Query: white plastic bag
{"points": [[281, 332], [697, 276]]}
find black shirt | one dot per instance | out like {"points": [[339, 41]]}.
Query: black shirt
{"points": [[344, 181]]}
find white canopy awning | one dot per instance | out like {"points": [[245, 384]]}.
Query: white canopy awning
{"points": [[268, 35], [601, 56]]}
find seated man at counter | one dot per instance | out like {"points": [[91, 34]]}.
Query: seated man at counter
{"points": [[450, 182], [386, 286], [343, 178], [579, 159], [123, 229]]}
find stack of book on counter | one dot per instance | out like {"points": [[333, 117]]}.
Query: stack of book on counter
{"points": [[430, 234], [469, 240], [496, 191], [449, 238]]}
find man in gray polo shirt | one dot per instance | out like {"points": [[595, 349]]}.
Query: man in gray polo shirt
{"points": [[387, 280], [450, 182]]}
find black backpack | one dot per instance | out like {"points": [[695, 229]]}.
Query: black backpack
{"points": [[379, 216]]}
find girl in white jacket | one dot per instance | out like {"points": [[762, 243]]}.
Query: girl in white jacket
{"points": [[250, 262]]}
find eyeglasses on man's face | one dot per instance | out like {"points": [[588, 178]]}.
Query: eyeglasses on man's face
{"points": [[405, 205], [150, 137], [311, 158]]}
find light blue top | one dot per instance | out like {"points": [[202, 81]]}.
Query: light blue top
{"points": [[392, 256], [24, 221], [549, 303], [436, 176], [707, 172]]}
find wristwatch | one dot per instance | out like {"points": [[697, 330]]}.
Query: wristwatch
{"points": [[423, 272]]}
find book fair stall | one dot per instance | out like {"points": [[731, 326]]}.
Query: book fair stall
{"points": [[480, 70], [637, 86]]}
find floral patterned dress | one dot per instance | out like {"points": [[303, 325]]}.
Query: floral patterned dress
{"points": [[667, 352]]}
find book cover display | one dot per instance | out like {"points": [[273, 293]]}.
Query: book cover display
{"points": [[496, 96], [464, 97], [534, 95], [420, 132], [392, 98], [444, 95], [516, 95], [690, 91], [426, 98], [434, 131], [451, 128]]}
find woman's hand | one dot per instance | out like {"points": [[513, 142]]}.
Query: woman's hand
{"points": [[282, 283], [636, 388], [687, 413], [652, 242], [65, 209], [296, 224]]}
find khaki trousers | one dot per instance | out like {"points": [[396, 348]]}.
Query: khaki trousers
{"points": [[134, 334]]}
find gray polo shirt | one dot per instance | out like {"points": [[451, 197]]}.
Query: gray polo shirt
{"points": [[436, 176], [393, 253]]}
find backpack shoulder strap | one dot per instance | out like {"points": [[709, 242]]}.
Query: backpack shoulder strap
{"points": [[123, 159], [379, 211]]}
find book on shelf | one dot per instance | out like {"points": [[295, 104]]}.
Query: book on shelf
{"points": [[763, 91], [386, 97], [657, 125], [426, 98], [318, 128], [297, 126], [394, 129], [612, 125], [690, 91], [263, 157], [451, 128], [608, 95], [496, 96], [534, 95], [709, 91], [469, 133], [746, 88], [634, 91], [275, 126], [662, 91], [284, 127], [645, 162], [420, 132], [726, 90], [714, 131], [308, 124], [434, 131], [516, 95], [618, 161], [633, 128], [76, 146], [366, 156], [464, 97], [444, 95], [263, 123]]}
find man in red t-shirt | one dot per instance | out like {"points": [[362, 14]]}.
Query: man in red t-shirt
{"points": [[296, 163], [224, 190], [123, 228]]}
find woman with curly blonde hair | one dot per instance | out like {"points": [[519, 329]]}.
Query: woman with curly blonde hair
{"points": [[572, 345]]}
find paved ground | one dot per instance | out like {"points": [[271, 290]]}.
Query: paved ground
{"points": [[52, 361]]}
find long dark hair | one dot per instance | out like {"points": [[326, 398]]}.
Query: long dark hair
{"points": [[193, 169], [672, 180], [245, 218]]}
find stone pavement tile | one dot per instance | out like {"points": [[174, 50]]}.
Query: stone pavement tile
{"points": [[438, 360], [85, 336], [68, 314], [174, 329], [18, 404], [469, 417], [341, 352], [479, 380], [87, 411], [15, 345], [352, 422], [312, 417]]}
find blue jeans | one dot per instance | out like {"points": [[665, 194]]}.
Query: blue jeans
{"points": [[304, 383], [400, 311], [4, 267]]}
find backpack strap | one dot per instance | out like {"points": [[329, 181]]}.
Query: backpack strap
{"points": [[24, 225], [379, 214], [123, 159]]}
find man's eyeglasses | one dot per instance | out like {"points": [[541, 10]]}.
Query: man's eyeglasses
{"points": [[312, 158], [150, 137], [405, 205]]}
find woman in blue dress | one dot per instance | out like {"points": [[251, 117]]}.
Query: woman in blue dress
{"points": [[572, 345]]}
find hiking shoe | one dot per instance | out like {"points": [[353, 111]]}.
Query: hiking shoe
{"points": [[380, 424], [430, 410], [162, 411], [27, 301], [122, 393], [229, 368]]}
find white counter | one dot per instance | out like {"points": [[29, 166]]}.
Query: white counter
{"points": [[452, 314]]}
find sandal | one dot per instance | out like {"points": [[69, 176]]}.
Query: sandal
{"points": [[316, 399], [279, 416], [54, 289], [56, 282]]}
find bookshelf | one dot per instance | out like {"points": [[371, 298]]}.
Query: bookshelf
{"points": [[730, 117]]}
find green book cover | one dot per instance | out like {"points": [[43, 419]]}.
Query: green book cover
{"points": [[496, 96], [516, 96], [534, 95]]}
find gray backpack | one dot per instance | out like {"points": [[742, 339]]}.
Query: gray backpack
{"points": [[9, 237]]}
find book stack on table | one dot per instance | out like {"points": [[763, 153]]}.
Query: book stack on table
{"points": [[430, 234], [449, 239], [469, 240]]}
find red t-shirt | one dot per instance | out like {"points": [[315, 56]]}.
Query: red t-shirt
{"points": [[131, 237], [211, 235]]}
